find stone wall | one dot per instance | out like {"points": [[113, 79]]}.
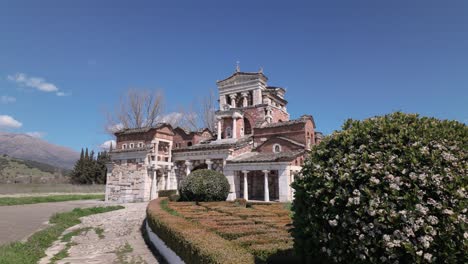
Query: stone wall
{"points": [[127, 183]]}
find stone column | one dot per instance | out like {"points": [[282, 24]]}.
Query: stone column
{"points": [[234, 127], [246, 185], [267, 191], [219, 129], [233, 100], [284, 185], [170, 152], [154, 187], [156, 153], [163, 180], [245, 100], [232, 186], [208, 164], [173, 179], [188, 168], [222, 101]]}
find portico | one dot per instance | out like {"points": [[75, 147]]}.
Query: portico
{"points": [[265, 181]]}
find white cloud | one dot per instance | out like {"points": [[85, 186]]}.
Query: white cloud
{"points": [[35, 82], [106, 145], [36, 134], [5, 99], [115, 128], [9, 122], [173, 118]]}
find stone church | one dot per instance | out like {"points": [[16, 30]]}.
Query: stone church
{"points": [[257, 147]]}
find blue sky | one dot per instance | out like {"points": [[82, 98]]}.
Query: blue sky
{"points": [[337, 59]]}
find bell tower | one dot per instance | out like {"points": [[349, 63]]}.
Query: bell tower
{"points": [[245, 101]]}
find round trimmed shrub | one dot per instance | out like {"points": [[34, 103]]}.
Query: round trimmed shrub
{"points": [[204, 186], [389, 189]]}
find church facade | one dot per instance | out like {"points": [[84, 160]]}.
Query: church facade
{"points": [[257, 147]]}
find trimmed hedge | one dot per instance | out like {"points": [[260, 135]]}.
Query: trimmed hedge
{"points": [[204, 186], [387, 189], [166, 193], [190, 241]]}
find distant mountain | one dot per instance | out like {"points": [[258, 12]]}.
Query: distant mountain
{"points": [[25, 147], [14, 170]]}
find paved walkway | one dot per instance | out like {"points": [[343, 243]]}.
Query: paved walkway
{"points": [[18, 222], [120, 239]]}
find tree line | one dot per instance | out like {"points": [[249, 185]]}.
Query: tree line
{"points": [[90, 169]]}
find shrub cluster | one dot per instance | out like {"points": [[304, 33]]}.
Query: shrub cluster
{"points": [[190, 241], [204, 186], [389, 189]]}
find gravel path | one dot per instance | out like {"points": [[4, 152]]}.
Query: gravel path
{"points": [[18, 222], [121, 240]]}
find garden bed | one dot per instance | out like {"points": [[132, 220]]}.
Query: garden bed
{"points": [[259, 234]]}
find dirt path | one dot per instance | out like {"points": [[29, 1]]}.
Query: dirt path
{"points": [[112, 237], [17, 222]]}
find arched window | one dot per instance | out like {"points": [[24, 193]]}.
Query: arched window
{"points": [[247, 127], [124, 146], [189, 143], [131, 145], [276, 148], [228, 132]]}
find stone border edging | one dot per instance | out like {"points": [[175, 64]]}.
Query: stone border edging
{"points": [[169, 255]]}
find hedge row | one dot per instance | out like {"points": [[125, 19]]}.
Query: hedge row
{"points": [[262, 233], [166, 193], [190, 241]]}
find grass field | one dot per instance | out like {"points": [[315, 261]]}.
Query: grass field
{"points": [[48, 199], [7, 189], [261, 229], [33, 249]]}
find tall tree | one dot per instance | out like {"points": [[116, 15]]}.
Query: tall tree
{"points": [[200, 113]]}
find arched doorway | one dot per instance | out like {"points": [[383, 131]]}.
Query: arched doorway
{"points": [[247, 127]]}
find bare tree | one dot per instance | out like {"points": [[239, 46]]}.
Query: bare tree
{"points": [[208, 111], [136, 109], [199, 114]]}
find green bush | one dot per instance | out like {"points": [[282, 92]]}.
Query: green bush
{"points": [[385, 190], [204, 186], [166, 193]]}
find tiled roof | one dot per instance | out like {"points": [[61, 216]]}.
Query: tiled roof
{"points": [[217, 144], [266, 157], [243, 73], [127, 131], [302, 120]]}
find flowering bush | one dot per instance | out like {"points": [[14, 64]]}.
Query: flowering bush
{"points": [[204, 186], [388, 189]]}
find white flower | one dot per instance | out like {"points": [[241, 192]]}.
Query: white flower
{"points": [[332, 222], [374, 180], [386, 238], [394, 186], [428, 256], [419, 253], [356, 192], [433, 220], [447, 212]]}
